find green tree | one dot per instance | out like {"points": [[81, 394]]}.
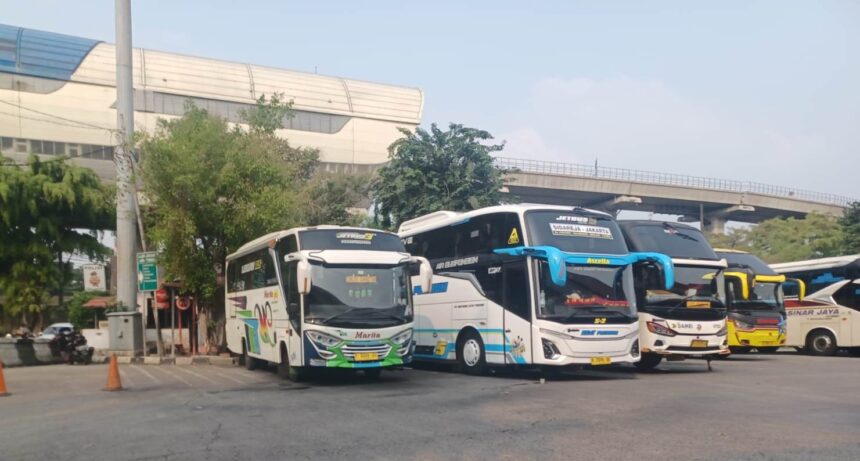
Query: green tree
{"points": [[340, 199], [782, 240], [213, 188], [850, 225], [49, 211], [83, 317], [436, 170]]}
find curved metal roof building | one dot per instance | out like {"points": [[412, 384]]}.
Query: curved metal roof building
{"points": [[56, 91]]}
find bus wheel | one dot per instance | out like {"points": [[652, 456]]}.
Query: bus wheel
{"points": [[372, 374], [767, 350], [470, 354], [821, 342], [287, 371], [249, 362], [648, 361]]}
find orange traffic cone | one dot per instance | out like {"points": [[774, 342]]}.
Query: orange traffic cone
{"points": [[3, 392], [113, 382]]}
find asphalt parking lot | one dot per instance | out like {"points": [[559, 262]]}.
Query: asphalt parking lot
{"points": [[754, 407]]}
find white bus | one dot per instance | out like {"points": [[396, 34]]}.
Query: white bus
{"points": [[688, 320], [829, 318], [525, 285], [323, 296]]}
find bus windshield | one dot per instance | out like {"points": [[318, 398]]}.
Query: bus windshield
{"points": [[590, 291], [675, 240], [367, 296], [695, 288], [763, 296], [349, 239], [575, 232]]}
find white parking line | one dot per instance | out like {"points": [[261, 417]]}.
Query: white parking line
{"points": [[126, 378], [148, 374], [192, 373], [180, 378], [224, 374]]}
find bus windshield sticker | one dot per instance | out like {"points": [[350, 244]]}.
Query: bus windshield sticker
{"points": [[361, 278], [579, 230], [252, 266], [355, 238], [514, 238], [576, 219]]}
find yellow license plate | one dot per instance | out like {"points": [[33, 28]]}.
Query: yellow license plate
{"points": [[601, 360], [698, 304], [366, 356], [699, 343]]}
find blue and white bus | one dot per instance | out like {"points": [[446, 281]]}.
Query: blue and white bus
{"points": [[526, 285]]}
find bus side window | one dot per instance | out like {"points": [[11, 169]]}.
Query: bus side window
{"points": [[848, 296]]}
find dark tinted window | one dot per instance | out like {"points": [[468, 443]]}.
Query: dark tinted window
{"points": [[252, 271], [349, 239], [848, 296], [517, 289], [478, 235], [747, 260], [575, 232], [677, 241]]}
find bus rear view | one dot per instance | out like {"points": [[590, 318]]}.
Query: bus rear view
{"points": [[688, 320]]}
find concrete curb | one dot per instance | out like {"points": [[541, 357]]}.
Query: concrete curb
{"points": [[182, 361]]}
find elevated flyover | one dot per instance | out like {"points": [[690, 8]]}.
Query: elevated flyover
{"points": [[709, 200]]}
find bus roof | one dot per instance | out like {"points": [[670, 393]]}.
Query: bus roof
{"points": [[443, 218], [816, 264], [263, 241], [639, 240], [738, 258]]}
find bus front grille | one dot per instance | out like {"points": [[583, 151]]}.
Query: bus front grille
{"points": [[350, 350]]}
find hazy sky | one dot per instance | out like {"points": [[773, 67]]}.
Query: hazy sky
{"points": [[675, 86]]}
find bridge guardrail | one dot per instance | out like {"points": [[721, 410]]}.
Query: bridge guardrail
{"points": [[669, 179]]}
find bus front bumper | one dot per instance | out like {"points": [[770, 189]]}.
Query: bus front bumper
{"points": [[756, 337]]}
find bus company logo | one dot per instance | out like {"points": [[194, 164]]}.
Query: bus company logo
{"points": [[579, 219], [494, 270], [597, 261], [270, 294], [361, 278], [684, 325], [367, 335], [457, 263], [599, 332]]}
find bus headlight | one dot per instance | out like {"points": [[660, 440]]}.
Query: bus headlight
{"points": [[723, 331], [323, 340], [662, 330], [741, 325], [403, 337], [550, 350], [634, 350]]}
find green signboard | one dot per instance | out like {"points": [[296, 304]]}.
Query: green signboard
{"points": [[147, 271]]}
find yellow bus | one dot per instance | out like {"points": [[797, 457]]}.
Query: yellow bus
{"points": [[755, 302]]}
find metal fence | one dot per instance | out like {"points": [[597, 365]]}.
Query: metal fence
{"points": [[669, 179]]}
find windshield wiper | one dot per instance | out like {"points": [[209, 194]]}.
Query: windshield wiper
{"points": [[352, 309]]}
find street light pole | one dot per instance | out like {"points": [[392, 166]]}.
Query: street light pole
{"points": [[126, 231]]}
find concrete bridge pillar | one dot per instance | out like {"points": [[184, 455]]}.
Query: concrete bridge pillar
{"points": [[714, 225]]}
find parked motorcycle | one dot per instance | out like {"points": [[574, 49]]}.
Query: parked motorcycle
{"points": [[73, 348]]}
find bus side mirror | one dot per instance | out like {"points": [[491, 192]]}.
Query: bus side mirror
{"points": [[425, 274], [801, 288], [741, 280], [303, 275]]}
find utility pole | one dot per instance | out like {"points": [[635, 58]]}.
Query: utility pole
{"points": [[125, 334]]}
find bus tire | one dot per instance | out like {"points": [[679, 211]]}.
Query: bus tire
{"points": [[821, 343], [740, 349], [249, 362], [767, 350], [287, 371], [648, 361], [471, 356]]}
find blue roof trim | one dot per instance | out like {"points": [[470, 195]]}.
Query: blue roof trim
{"points": [[41, 54]]}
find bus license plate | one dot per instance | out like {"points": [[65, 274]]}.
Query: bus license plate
{"points": [[699, 343], [366, 356], [601, 360]]}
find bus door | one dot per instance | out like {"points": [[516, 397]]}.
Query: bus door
{"points": [[517, 314], [848, 298], [293, 302]]}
